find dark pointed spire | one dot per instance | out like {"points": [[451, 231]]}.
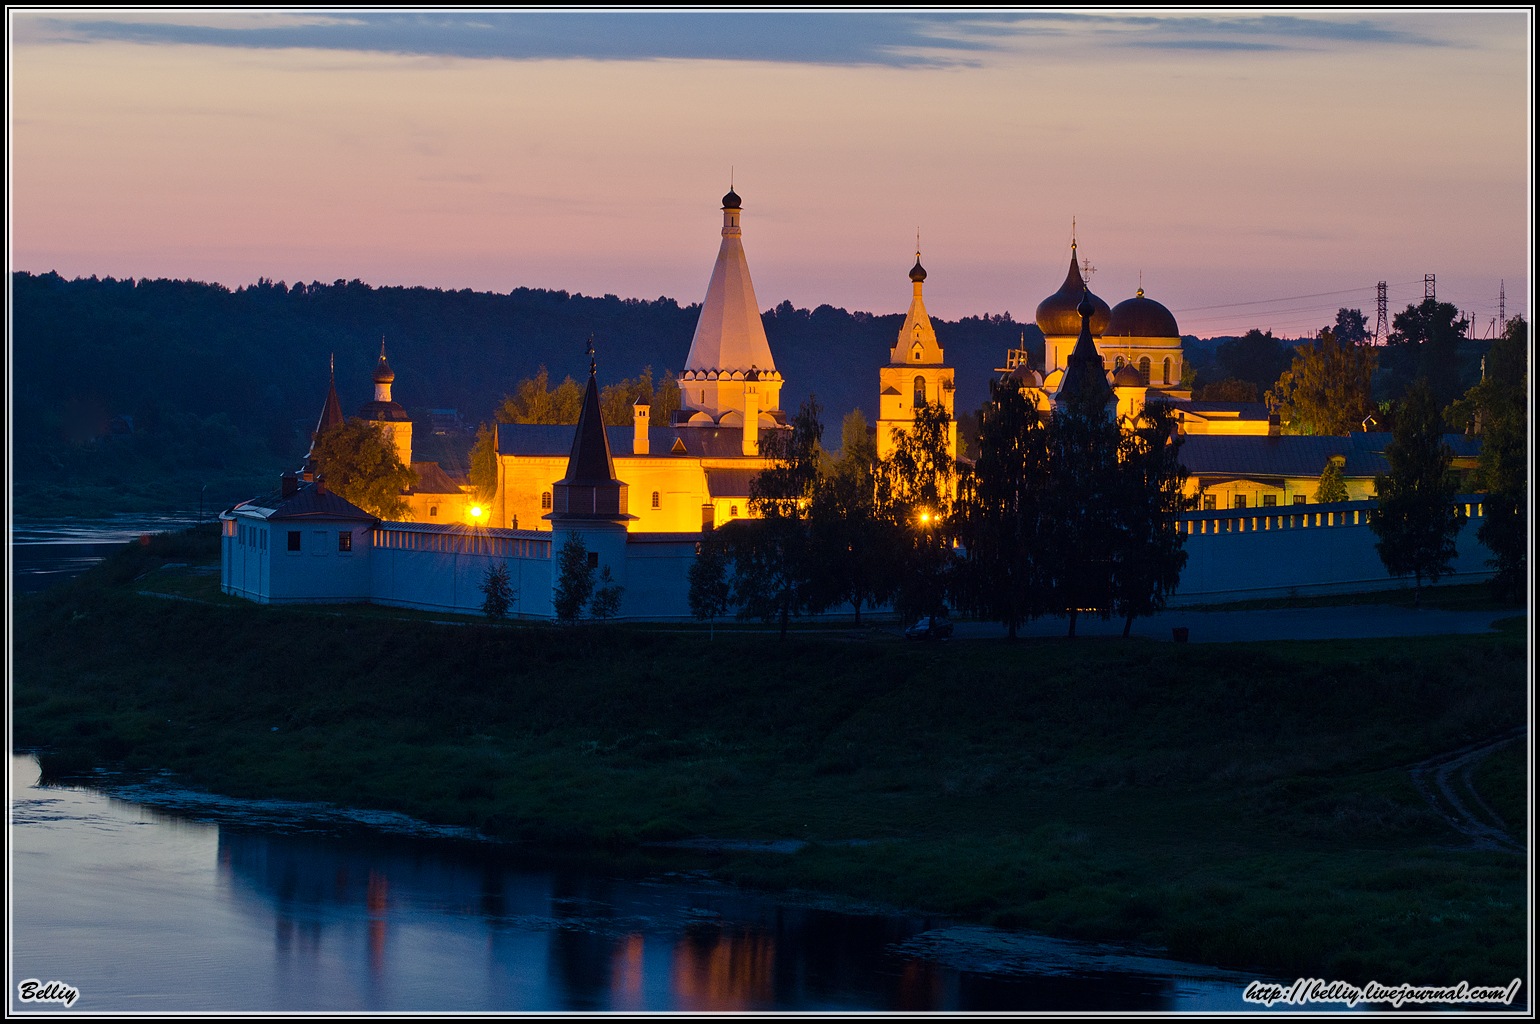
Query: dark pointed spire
{"points": [[590, 490], [1084, 390], [331, 416]]}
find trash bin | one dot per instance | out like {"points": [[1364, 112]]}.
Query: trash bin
{"points": [[1179, 634]]}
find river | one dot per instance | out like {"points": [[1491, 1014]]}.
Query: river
{"points": [[49, 551], [224, 906]]}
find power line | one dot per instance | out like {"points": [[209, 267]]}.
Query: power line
{"points": [[1285, 298]]}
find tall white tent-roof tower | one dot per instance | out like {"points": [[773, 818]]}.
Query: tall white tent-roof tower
{"points": [[730, 351]]}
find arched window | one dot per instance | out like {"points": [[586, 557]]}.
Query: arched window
{"points": [[919, 392], [914, 356], [1144, 369], [1117, 364], [545, 500], [732, 510], [657, 500], [432, 510], [1165, 372]]}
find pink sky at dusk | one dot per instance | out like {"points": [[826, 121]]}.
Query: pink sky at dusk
{"points": [[1236, 160]]}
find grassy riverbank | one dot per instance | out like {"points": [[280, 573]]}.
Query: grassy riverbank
{"points": [[1246, 805]]}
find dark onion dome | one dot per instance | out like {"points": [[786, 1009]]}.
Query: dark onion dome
{"points": [[1128, 377], [1140, 317], [383, 374], [1024, 377], [1058, 315], [918, 273], [731, 201]]}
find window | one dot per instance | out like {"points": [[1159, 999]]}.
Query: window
{"points": [[1240, 501], [593, 559], [293, 540], [432, 510], [1144, 369], [263, 538], [1269, 500], [545, 500], [915, 355], [1117, 364], [733, 510], [919, 392], [345, 540], [657, 500], [1165, 372], [1208, 503], [1299, 499]]}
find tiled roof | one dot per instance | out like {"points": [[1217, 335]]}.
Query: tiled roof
{"points": [[307, 503], [730, 483], [431, 479], [1297, 456]]}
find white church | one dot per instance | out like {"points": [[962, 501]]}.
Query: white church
{"points": [[640, 497]]}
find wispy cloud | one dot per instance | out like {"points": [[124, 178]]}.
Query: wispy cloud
{"points": [[895, 40]]}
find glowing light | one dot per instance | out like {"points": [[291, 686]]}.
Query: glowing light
{"points": [[477, 512], [924, 517]]}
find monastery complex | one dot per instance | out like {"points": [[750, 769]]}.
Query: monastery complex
{"points": [[641, 495]]}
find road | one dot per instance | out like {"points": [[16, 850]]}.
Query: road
{"points": [[1338, 622]]}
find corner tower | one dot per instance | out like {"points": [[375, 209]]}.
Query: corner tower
{"points": [[729, 344], [916, 373]]}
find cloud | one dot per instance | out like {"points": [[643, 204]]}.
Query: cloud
{"points": [[906, 40], [893, 39]]}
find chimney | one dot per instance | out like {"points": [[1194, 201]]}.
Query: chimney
{"points": [[289, 485], [320, 484], [751, 419], [639, 414]]}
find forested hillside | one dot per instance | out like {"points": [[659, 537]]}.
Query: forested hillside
{"points": [[129, 390]]}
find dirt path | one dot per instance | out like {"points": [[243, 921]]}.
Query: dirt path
{"points": [[1445, 782]]}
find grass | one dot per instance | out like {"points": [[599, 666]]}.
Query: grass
{"points": [[1195, 797]]}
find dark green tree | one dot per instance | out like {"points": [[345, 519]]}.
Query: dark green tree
{"points": [[574, 580], [497, 591], [1425, 344], [710, 591], [1327, 388], [1331, 486], [772, 555], [1147, 555], [534, 401], [483, 463], [1351, 327], [1497, 410], [606, 600], [1083, 496], [853, 549], [914, 489], [1001, 515], [359, 462], [1417, 518], [1257, 357]]}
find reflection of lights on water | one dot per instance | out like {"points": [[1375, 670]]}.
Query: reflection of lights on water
{"points": [[725, 972]]}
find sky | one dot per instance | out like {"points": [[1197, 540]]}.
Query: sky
{"points": [[1251, 169]]}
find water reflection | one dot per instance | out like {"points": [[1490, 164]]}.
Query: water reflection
{"points": [[49, 551], [143, 912]]}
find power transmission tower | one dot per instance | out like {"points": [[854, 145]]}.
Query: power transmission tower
{"points": [[1381, 328], [1428, 289], [1502, 308]]}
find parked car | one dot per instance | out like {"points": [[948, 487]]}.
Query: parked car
{"points": [[930, 627]]}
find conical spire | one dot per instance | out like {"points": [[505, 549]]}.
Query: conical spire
{"points": [[590, 490], [331, 416], [1084, 390], [916, 342], [729, 336]]}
